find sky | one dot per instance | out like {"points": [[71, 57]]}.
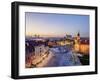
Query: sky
{"points": [[56, 25]]}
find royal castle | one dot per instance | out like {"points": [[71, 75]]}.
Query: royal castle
{"points": [[81, 44]]}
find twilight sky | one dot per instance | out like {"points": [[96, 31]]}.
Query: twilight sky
{"points": [[46, 24]]}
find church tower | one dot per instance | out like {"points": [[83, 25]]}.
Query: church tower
{"points": [[78, 37], [77, 42]]}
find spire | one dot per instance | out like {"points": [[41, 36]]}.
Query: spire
{"points": [[78, 34]]}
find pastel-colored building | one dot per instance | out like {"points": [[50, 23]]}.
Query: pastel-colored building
{"points": [[39, 50]]}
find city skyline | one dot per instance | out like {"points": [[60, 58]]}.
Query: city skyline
{"points": [[48, 25]]}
